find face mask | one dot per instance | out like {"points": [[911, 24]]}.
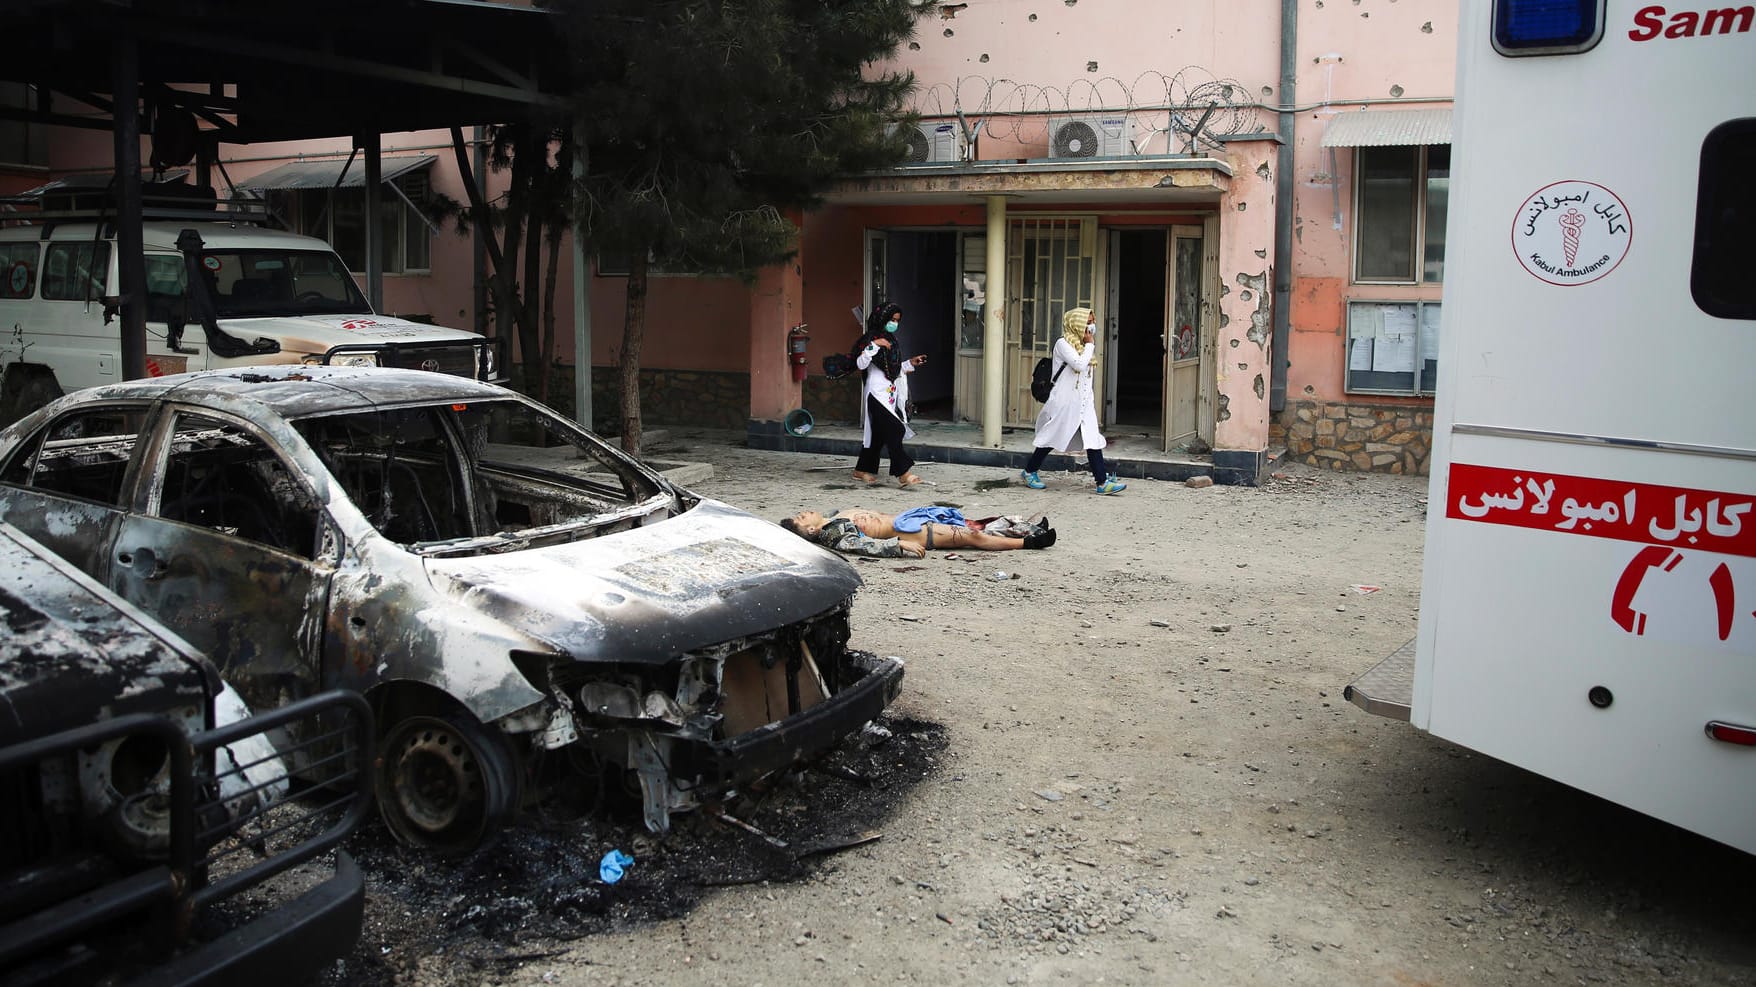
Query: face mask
{"points": [[890, 326]]}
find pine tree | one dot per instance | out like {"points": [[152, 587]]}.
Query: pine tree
{"points": [[708, 121]]}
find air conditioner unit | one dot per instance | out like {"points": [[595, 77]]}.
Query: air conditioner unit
{"points": [[935, 142], [1091, 136]]}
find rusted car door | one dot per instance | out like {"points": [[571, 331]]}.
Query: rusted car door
{"points": [[228, 550]]}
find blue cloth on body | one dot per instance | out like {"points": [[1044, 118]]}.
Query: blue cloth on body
{"points": [[915, 518]]}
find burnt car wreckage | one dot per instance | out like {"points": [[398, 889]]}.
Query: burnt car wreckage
{"points": [[140, 804], [501, 584]]}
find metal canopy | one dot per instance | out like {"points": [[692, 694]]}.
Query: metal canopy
{"points": [[323, 174], [273, 70], [200, 73], [1388, 128]]}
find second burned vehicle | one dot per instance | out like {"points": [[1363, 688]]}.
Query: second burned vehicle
{"points": [[500, 583]]}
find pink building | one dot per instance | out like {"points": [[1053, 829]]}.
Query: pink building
{"points": [[1266, 259]]}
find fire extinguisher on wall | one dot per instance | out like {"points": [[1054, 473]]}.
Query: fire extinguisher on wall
{"points": [[798, 337]]}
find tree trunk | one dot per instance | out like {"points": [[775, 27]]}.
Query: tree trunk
{"points": [[549, 315], [507, 318], [505, 290], [628, 374], [529, 324]]}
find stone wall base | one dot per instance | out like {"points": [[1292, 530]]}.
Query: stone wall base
{"points": [[1355, 437], [702, 398]]}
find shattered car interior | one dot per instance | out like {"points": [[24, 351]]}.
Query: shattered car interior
{"points": [[522, 604], [142, 806]]}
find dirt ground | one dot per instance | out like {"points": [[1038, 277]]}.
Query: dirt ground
{"points": [[1124, 760]]}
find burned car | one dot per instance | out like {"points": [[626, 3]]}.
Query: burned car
{"points": [[501, 584], [143, 815]]}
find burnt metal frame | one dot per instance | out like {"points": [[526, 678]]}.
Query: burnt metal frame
{"points": [[178, 879]]}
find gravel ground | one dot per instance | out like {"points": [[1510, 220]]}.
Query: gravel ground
{"points": [[1122, 760]]}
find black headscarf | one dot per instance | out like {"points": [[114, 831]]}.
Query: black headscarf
{"points": [[889, 358]]}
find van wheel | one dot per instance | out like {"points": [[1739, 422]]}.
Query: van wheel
{"points": [[446, 783]]}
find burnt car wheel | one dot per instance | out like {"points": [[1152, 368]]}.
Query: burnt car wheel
{"points": [[445, 783]]}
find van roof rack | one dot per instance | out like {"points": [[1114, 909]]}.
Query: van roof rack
{"points": [[86, 198]]}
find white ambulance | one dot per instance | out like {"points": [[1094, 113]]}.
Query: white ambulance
{"points": [[1588, 607], [222, 290]]}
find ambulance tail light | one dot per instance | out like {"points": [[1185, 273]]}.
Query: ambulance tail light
{"points": [[1547, 27], [1731, 733]]}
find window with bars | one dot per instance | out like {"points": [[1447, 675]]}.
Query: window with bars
{"points": [[1055, 265]]}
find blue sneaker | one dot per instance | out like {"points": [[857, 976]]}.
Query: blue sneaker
{"points": [[1032, 480], [1111, 486]]}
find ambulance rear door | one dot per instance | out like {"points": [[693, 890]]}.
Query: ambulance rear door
{"points": [[1589, 597]]}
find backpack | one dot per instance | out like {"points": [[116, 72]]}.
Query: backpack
{"points": [[1041, 384], [838, 365]]}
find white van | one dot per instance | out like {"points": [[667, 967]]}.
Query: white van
{"points": [[263, 296], [1588, 604]]}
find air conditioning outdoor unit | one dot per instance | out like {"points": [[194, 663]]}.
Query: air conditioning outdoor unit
{"points": [[1092, 136], [934, 142]]}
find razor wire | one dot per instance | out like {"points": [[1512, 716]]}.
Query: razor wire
{"points": [[1193, 109]]}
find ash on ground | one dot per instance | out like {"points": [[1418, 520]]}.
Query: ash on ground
{"points": [[537, 889]]}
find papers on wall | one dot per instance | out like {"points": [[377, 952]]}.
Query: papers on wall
{"points": [[1362, 329], [1430, 332], [1394, 349], [1359, 353], [1391, 345]]}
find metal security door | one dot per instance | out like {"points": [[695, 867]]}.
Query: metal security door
{"points": [[1051, 266]]}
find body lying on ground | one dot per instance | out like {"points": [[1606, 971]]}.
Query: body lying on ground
{"points": [[911, 534]]}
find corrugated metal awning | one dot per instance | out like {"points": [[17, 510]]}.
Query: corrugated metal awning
{"points": [[1388, 128], [94, 182], [322, 174]]}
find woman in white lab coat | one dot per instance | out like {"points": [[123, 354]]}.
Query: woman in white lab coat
{"points": [[884, 401], [1069, 417]]}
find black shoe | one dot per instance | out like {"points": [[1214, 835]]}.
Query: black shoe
{"points": [[1043, 540]]}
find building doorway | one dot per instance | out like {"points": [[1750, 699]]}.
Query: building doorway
{"points": [[1160, 326], [920, 270], [1137, 328]]}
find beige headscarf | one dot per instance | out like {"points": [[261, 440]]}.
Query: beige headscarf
{"points": [[1073, 327]]}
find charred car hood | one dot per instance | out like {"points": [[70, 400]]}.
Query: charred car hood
{"points": [[710, 575]]}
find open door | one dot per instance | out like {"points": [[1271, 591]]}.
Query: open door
{"points": [[1184, 336], [1051, 266], [972, 248], [1137, 319]]}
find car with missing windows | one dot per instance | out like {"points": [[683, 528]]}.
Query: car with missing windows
{"points": [[144, 817], [520, 602]]}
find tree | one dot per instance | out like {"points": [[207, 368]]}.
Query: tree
{"points": [[711, 119], [539, 158]]}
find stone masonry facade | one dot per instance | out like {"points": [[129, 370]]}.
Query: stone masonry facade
{"points": [[1349, 436]]}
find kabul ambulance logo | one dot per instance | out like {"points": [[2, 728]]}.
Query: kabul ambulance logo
{"points": [[1572, 233]]}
